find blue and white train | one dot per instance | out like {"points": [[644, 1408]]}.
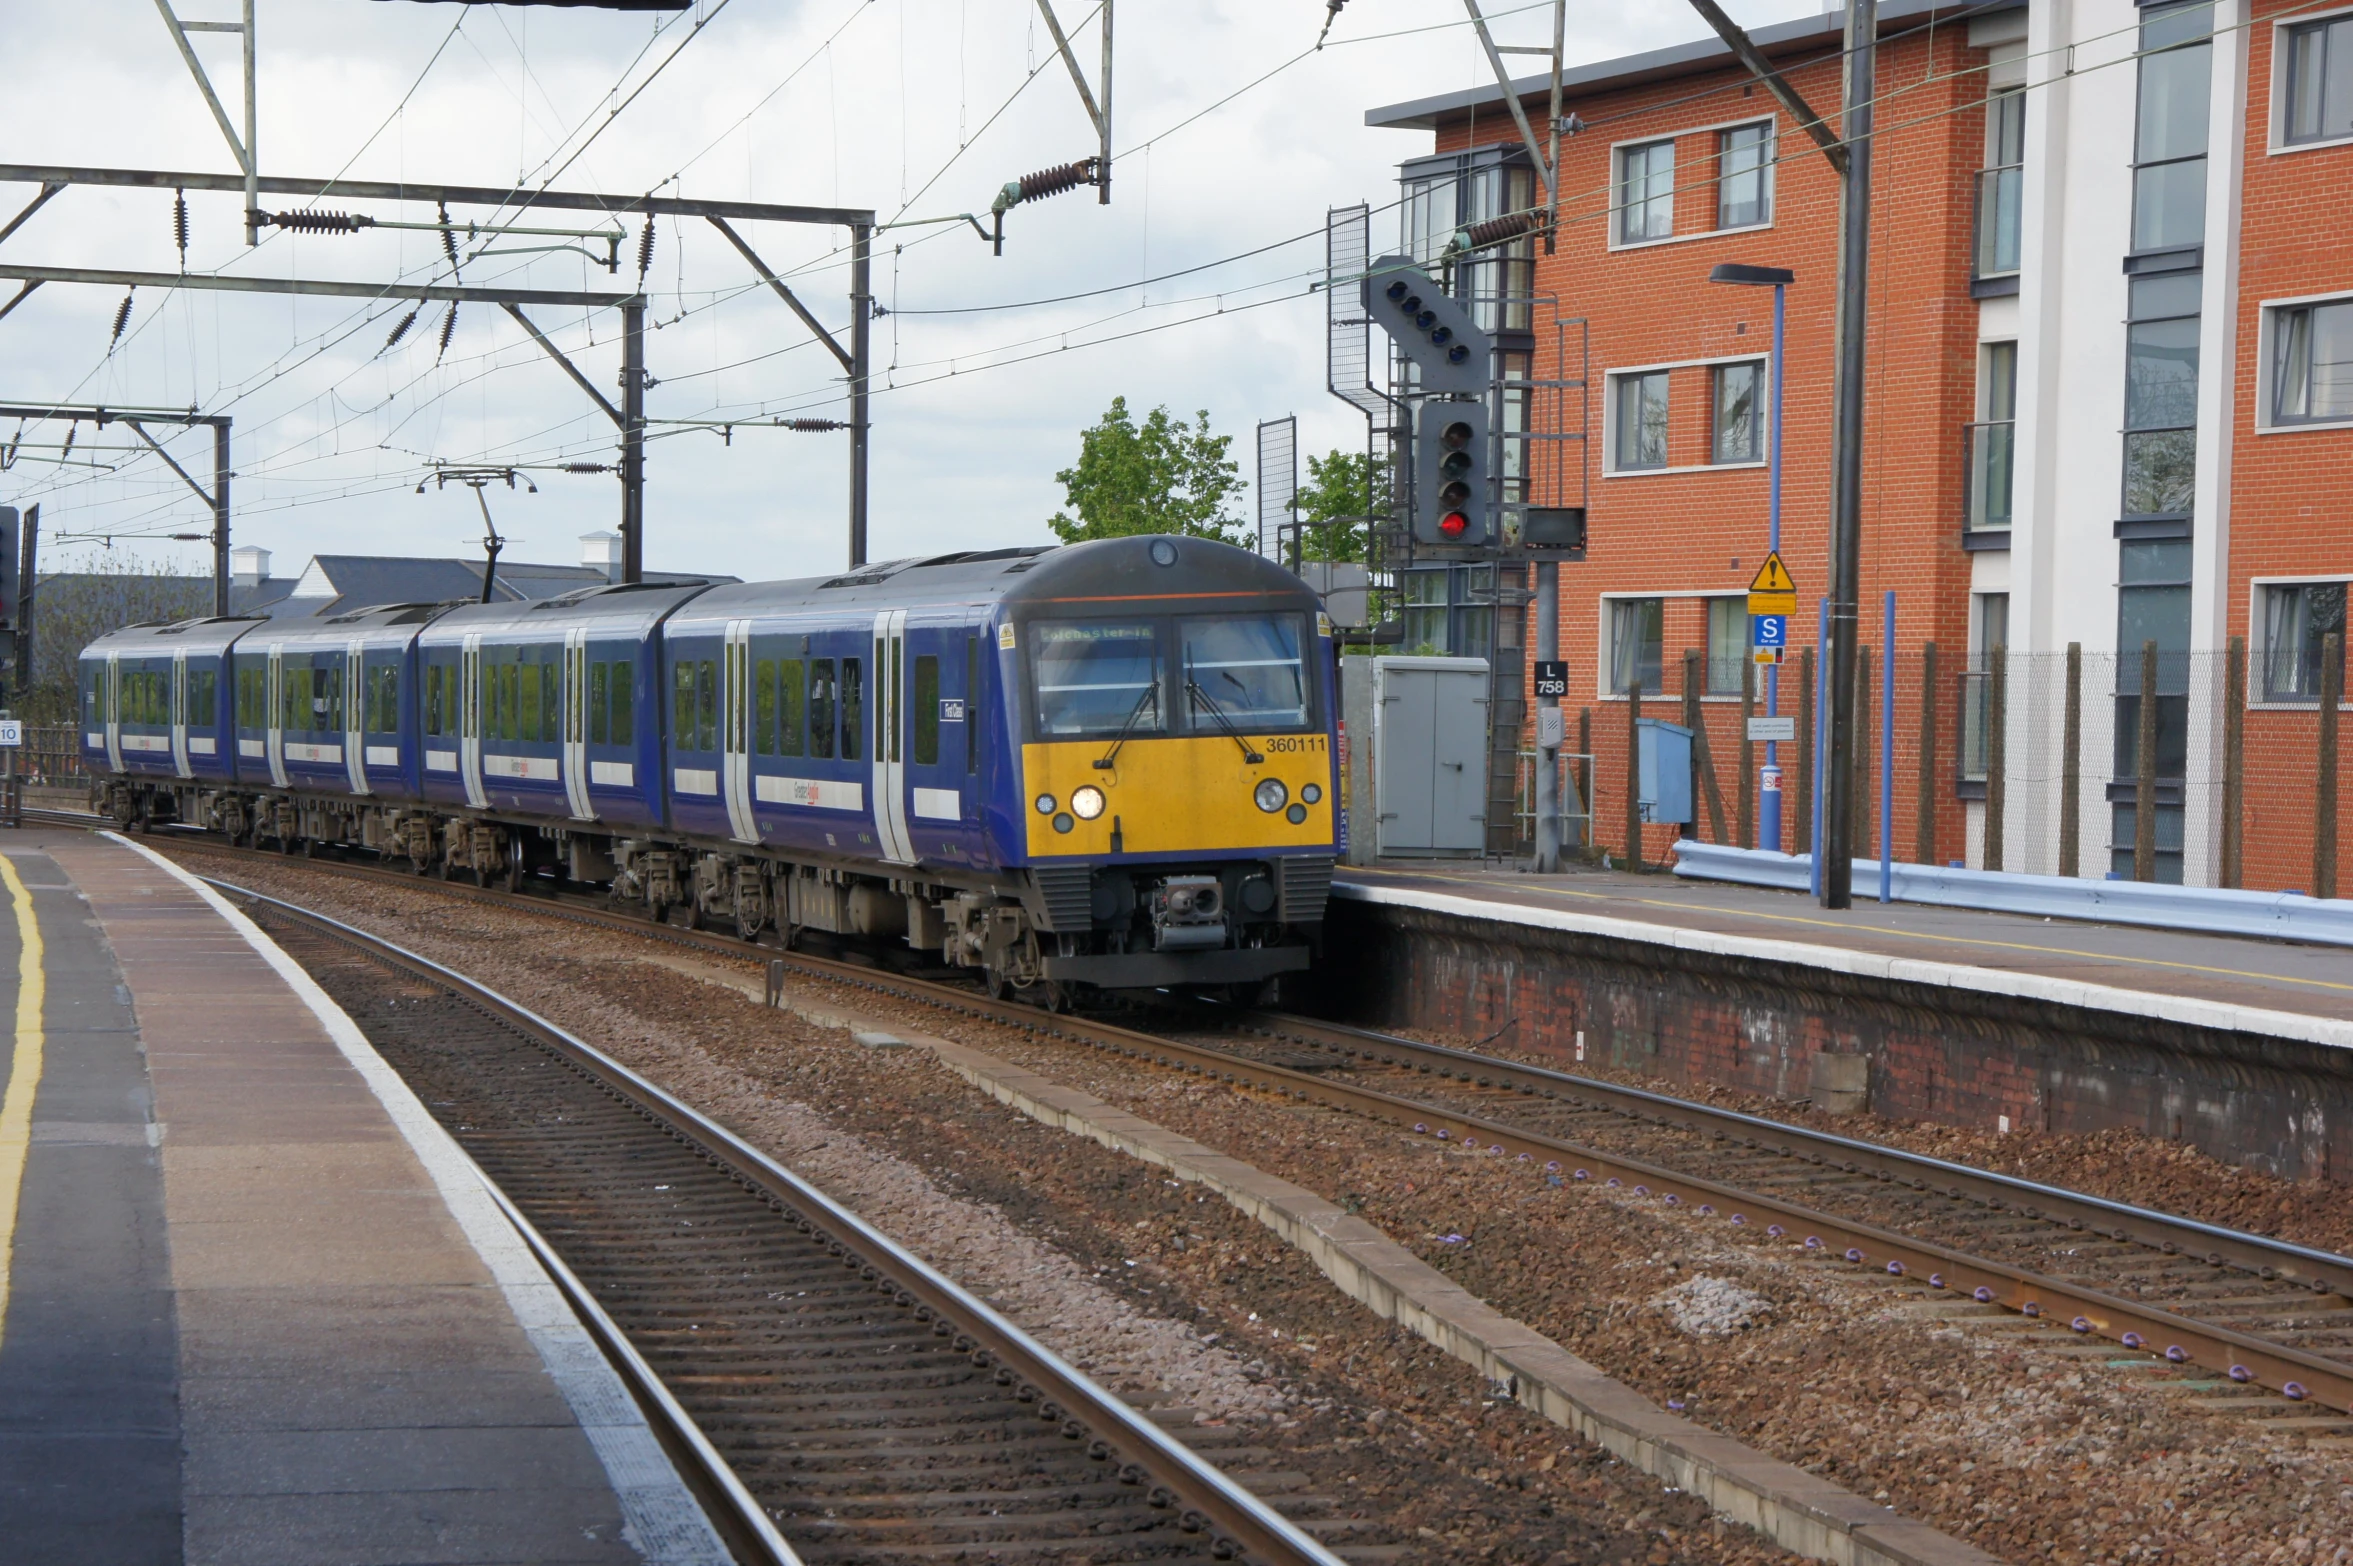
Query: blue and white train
{"points": [[1113, 765]]}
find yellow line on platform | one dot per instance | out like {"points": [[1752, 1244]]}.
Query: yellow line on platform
{"points": [[24, 1071], [1876, 929]]}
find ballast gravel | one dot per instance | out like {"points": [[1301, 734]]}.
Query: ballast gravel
{"points": [[2033, 1449], [1711, 1307], [1169, 1297]]}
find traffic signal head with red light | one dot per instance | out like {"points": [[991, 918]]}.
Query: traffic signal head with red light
{"points": [[1451, 504]]}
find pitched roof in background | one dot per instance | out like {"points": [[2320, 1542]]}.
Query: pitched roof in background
{"points": [[337, 584]]}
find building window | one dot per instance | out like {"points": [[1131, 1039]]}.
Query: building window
{"points": [[2152, 605], [2320, 81], [2312, 359], [1424, 613], [2000, 183], [1744, 175], [1737, 396], [2297, 622], [2161, 396], [1727, 644], [2169, 144], [1646, 192], [1990, 439], [1638, 635], [1640, 421]]}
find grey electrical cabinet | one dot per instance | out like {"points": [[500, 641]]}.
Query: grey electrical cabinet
{"points": [[1428, 761]]}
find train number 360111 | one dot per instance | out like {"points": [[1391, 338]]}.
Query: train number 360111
{"points": [[1292, 744]]}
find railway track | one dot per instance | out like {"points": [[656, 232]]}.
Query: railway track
{"points": [[2261, 1315], [831, 1397]]}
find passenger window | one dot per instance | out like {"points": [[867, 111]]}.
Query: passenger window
{"points": [[510, 698], [551, 701], [764, 707], [789, 675], [927, 711], [682, 705], [972, 704], [433, 699], [821, 708], [706, 702], [624, 703], [335, 722], [528, 673], [853, 708], [596, 704]]}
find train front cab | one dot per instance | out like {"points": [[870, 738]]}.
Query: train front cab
{"points": [[1172, 701]]}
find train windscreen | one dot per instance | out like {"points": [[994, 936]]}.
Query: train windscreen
{"points": [[1247, 669], [1097, 676]]}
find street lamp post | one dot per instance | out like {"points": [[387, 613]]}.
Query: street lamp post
{"points": [[1778, 279]]}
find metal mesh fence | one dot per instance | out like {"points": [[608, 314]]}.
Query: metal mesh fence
{"points": [[2181, 767]]}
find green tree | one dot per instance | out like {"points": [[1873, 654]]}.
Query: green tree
{"points": [[1160, 476], [1341, 484]]}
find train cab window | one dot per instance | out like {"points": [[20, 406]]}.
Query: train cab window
{"points": [[624, 688], [791, 676], [853, 707], [1097, 676], [821, 708], [764, 707], [1244, 670], [597, 727], [926, 704]]}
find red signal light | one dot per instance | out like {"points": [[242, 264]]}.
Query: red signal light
{"points": [[1453, 523]]}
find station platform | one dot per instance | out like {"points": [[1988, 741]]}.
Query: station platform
{"points": [[254, 1308], [2238, 983]]}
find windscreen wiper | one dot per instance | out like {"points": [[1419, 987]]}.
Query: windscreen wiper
{"points": [[1203, 698], [1151, 696]]}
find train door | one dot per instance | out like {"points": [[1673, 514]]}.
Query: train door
{"points": [[735, 730], [890, 763], [275, 745], [113, 698], [355, 717], [575, 764], [179, 716], [470, 720], [935, 726]]}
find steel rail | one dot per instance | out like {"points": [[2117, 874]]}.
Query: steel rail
{"points": [[2322, 1271], [1242, 1524], [2089, 1311]]}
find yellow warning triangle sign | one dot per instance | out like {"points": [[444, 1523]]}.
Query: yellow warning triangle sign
{"points": [[1773, 577]]}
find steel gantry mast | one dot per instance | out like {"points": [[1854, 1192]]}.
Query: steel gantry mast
{"points": [[629, 415]]}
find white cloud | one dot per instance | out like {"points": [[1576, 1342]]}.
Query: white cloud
{"points": [[331, 434]]}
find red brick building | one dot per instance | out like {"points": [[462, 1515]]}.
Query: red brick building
{"points": [[2072, 214]]}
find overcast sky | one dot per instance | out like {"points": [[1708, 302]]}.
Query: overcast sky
{"points": [[888, 104]]}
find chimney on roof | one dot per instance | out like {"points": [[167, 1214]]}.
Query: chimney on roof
{"points": [[249, 565], [602, 552]]}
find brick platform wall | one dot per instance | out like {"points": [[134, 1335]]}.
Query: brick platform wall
{"points": [[1947, 1056]]}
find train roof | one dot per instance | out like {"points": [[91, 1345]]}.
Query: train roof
{"points": [[621, 608], [1108, 569], [162, 638]]}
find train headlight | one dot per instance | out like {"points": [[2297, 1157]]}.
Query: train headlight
{"points": [[1271, 795], [1087, 803], [1045, 804]]}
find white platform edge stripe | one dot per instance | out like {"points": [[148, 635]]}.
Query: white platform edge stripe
{"points": [[2329, 1032], [663, 1519]]}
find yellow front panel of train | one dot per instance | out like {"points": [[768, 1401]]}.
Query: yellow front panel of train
{"points": [[1194, 794]]}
